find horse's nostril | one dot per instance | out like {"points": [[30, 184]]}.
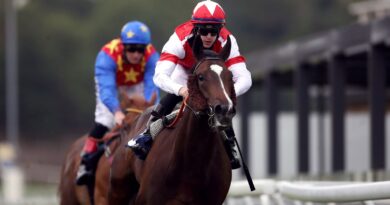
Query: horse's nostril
{"points": [[217, 109], [221, 109]]}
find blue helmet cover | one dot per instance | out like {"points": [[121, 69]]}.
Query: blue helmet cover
{"points": [[135, 32]]}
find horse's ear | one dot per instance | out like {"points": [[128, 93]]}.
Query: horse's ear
{"points": [[225, 53], [153, 98], [197, 47]]}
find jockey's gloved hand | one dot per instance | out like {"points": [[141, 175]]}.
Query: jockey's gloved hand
{"points": [[183, 92], [119, 116]]}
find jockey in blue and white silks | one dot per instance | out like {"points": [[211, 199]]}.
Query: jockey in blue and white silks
{"points": [[124, 64], [113, 73]]}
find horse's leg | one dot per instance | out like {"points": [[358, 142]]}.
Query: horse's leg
{"points": [[67, 188], [123, 185], [67, 192], [102, 181]]}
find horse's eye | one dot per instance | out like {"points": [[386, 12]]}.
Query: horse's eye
{"points": [[200, 78]]}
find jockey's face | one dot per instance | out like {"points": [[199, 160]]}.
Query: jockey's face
{"points": [[208, 40], [208, 34], [134, 52]]}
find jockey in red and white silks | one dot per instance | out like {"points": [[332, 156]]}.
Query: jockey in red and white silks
{"points": [[177, 59]]}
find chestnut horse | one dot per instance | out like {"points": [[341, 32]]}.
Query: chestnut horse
{"points": [[70, 193], [187, 164]]}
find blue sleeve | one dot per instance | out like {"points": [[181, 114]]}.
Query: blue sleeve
{"points": [[105, 76], [149, 86]]}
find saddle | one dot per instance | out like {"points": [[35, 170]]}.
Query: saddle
{"points": [[157, 126]]}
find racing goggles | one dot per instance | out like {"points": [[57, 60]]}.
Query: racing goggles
{"points": [[131, 48], [204, 31]]}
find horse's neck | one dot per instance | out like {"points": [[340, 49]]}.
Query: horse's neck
{"points": [[196, 136]]}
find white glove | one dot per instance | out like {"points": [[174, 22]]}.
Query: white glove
{"points": [[183, 92], [119, 116]]}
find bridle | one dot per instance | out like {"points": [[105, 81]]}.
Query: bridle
{"points": [[203, 60], [210, 111]]}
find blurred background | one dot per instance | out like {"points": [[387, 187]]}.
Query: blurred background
{"points": [[57, 42]]}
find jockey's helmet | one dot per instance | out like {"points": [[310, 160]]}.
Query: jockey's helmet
{"points": [[208, 12], [135, 32]]}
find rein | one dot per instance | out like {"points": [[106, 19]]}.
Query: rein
{"points": [[117, 130], [116, 133], [134, 110], [179, 115], [210, 113]]}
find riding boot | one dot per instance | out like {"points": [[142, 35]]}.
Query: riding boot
{"points": [[230, 148], [142, 143], [85, 171]]}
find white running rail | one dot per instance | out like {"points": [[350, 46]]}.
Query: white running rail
{"points": [[311, 191], [263, 186], [335, 193]]}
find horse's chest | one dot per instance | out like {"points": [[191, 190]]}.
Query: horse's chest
{"points": [[195, 192]]}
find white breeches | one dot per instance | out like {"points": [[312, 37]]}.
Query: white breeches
{"points": [[103, 115]]}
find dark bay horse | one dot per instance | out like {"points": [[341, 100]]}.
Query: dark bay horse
{"points": [[187, 164], [70, 193]]}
